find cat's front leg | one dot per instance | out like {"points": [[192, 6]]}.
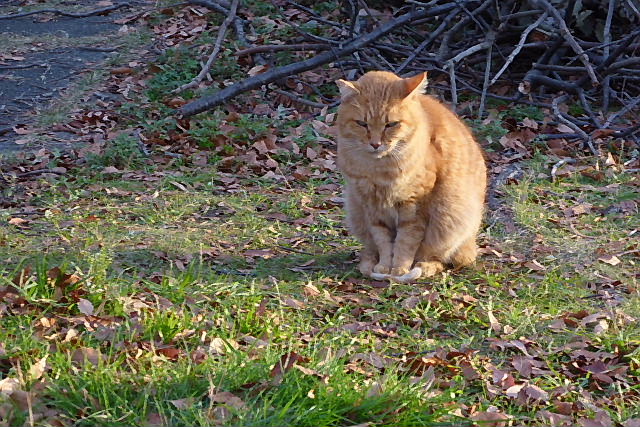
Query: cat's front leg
{"points": [[383, 238], [368, 259], [410, 233]]}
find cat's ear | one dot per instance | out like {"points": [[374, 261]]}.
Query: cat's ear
{"points": [[347, 89], [415, 85]]}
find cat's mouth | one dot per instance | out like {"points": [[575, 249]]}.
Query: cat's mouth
{"points": [[380, 152], [385, 150]]}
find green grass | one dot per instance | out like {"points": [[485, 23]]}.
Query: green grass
{"points": [[170, 272], [197, 291]]}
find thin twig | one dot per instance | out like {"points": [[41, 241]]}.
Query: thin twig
{"points": [[223, 7], [566, 33], [630, 106], [469, 51], [279, 47], [634, 8], [21, 66], [476, 17], [216, 49], [455, 30], [70, 14], [586, 137], [428, 41], [487, 71], [296, 251], [585, 104], [558, 68], [39, 172], [213, 5], [554, 169], [452, 83], [316, 16], [301, 100], [607, 39], [577, 233], [518, 47], [558, 136], [100, 49], [23, 383]]}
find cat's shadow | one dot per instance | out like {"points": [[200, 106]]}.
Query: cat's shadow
{"points": [[294, 266], [282, 266]]}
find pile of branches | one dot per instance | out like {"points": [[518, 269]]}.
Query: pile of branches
{"points": [[549, 53]]}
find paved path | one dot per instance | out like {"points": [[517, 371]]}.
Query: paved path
{"points": [[44, 64]]}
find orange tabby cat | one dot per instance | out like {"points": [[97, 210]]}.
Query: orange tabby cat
{"points": [[415, 177]]}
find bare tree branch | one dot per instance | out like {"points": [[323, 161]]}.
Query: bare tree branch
{"points": [[518, 47], [216, 49], [569, 38], [259, 80], [279, 47], [586, 137]]}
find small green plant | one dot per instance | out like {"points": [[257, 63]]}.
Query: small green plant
{"points": [[489, 133], [205, 131], [165, 324], [177, 66], [521, 112], [122, 152]]}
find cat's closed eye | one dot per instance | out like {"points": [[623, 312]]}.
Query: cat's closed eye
{"points": [[392, 124], [361, 123]]}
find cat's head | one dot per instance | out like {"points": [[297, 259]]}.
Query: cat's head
{"points": [[379, 112]]}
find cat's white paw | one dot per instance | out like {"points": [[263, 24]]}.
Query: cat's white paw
{"points": [[408, 277], [380, 276], [412, 275]]}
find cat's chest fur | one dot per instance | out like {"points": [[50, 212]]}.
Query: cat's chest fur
{"points": [[386, 191]]}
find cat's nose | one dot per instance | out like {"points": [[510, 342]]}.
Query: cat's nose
{"points": [[375, 145]]}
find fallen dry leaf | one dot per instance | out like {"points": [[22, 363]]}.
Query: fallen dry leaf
{"points": [[514, 390], [9, 385], [38, 369], [111, 169], [536, 393], [260, 253], [84, 355], [23, 399], [490, 419], [222, 346], [154, 419], [258, 69], [601, 419], [228, 398], [610, 259], [85, 306], [170, 353], [535, 265], [372, 359], [311, 291], [185, 403], [121, 70], [284, 365], [493, 322], [554, 419], [294, 303], [18, 221]]}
